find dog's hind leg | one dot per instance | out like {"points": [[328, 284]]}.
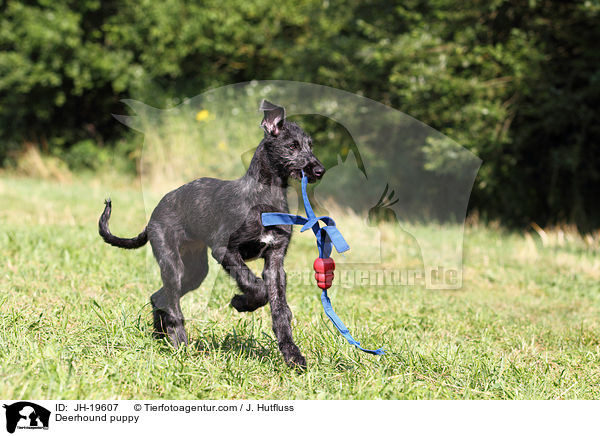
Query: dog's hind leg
{"points": [[195, 269], [195, 263], [168, 318]]}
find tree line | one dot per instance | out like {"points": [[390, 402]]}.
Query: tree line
{"points": [[516, 82]]}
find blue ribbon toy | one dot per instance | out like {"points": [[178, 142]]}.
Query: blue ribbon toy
{"points": [[327, 236]]}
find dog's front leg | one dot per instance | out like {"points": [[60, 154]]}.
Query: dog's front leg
{"points": [[255, 294], [275, 282]]}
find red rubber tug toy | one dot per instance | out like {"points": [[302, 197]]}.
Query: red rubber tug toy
{"points": [[324, 272]]}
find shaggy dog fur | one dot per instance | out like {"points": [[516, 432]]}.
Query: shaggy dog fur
{"points": [[225, 215]]}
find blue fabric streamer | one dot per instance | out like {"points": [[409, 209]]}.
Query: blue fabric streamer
{"points": [[327, 236], [337, 322]]}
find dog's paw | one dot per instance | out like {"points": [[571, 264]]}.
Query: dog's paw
{"points": [[169, 327], [293, 358], [177, 336], [298, 362], [240, 303]]}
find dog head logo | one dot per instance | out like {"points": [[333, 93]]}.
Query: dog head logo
{"points": [[409, 174], [26, 415], [338, 182], [346, 177]]}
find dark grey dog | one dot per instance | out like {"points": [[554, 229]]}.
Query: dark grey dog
{"points": [[226, 216]]}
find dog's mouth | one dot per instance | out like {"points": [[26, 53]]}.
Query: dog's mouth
{"points": [[309, 173], [297, 174]]}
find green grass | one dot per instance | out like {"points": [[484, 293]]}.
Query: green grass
{"points": [[75, 323]]}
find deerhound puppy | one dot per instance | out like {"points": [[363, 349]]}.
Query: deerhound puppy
{"points": [[225, 215]]}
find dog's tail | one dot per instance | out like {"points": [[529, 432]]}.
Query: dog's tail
{"points": [[111, 239]]}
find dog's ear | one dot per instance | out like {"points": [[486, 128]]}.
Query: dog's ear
{"points": [[273, 119]]}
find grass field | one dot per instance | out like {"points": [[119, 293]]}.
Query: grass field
{"points": [[75, 323]]}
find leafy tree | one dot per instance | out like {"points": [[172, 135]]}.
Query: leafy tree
{"points": [[516, 82]]}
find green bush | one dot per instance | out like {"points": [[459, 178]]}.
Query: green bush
{"points": [[517, 83], [86, 155]]}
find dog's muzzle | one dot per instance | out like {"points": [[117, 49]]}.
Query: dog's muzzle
{"points": [[314, 172]]}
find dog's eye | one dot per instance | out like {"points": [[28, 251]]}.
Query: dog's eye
{"points": [[295, 145]]}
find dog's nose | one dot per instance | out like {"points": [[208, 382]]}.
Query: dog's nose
{"points": [[319, 171]]}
